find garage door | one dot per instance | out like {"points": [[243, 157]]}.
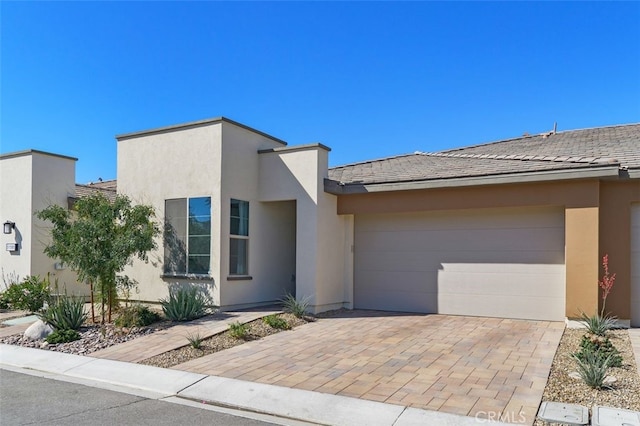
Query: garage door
{"points": [[504, 263], [635, 265]]}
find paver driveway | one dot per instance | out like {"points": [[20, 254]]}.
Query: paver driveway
{"points": [[463, 365]]}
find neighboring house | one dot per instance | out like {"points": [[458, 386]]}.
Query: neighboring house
{"points": [[515, 228], [30, 181]]}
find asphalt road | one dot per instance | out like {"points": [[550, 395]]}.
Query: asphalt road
{"points": [[31, 400]]}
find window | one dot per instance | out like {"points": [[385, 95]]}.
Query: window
{"points": [[187, 236], [239, 240]]}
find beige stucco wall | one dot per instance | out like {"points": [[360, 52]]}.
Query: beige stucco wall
{"points": [[31, 182], [177, 164], [220, 160], [271, 225], [324, 261]]}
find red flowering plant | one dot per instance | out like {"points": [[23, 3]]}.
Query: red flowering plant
{"points": [[606, 284]]}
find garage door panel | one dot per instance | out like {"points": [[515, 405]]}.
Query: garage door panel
{"points": [[537, 308], [434, 260], [462, 220], [402, 281], [470, 240], [458, 262], [502, 282], [400, 301]]}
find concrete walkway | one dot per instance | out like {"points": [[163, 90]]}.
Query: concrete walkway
{"points": [[176, 336], [193, 389]]}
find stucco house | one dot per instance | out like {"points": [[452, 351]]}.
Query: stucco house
{"points": [[31, 180], [514, 228]]}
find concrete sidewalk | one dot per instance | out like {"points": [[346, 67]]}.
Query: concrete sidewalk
{"points": [[174, 385]]}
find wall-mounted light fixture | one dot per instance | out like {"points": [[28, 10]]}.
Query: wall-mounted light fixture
{"points": [[8, 226]]}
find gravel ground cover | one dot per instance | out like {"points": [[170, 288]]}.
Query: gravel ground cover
{"points": [[93, 337], [624, 392], [256, 330]]}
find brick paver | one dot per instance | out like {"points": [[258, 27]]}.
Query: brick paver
{"points": [[462, 365], [175, 337]]}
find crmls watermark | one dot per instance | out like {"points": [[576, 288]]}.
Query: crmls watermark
{"points": [[500, 416]]}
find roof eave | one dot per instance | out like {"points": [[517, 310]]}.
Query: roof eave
{"points": [[333, 187]]}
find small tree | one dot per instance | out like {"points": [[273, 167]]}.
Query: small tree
{"points": [[98, 238]]}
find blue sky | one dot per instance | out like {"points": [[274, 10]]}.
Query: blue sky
{"points": [[367, 79]]}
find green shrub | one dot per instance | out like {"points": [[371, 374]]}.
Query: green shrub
{"points": [[63, 336], [185, 304], [598, 324], [238, 330], [601, 347], [28, 295], [67, 313], [294, 306], [136, 316], [4, 304], [195, 340], [593, 368], [276, 322]]}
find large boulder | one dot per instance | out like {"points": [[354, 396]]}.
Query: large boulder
{"points": [[38, 330]]}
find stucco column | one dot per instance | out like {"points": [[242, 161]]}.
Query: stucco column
{"points": [[582, 260]]}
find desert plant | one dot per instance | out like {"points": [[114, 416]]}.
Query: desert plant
{"points": [[593, 368], [276, 322], [29, 295], [185, 304], [238, 330], [195, 340], [294, 306], [597, 324], [63, 336], [606, 284], [600, 346], [136, 316], [67, 313]]}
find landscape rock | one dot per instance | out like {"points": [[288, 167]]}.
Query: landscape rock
{"points": [[38, 330]]}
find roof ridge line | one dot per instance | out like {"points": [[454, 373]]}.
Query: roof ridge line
{"points": [[579, 159], [84, 185], [543, 134]]}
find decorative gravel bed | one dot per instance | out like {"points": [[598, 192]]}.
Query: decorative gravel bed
{"points": [[94, 337], [623, 393], [256, 330]]}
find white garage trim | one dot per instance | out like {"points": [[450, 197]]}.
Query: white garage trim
{"points": [[635, 265], [491, 262]]}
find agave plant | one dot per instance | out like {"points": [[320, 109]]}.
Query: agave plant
{"points": [[186, 304], [67, 313], [598, 324]]}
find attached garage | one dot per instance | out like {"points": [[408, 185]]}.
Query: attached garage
{"points": [[490, 262], [635, 265]]}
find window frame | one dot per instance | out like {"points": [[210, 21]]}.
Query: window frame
{"points": [[239, 236], [186, 253]]}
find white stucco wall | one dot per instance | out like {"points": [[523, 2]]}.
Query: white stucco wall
{"points": [[31, 181]]}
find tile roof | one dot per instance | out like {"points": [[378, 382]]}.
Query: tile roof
{"points": [[107, 188], [575, 149]]}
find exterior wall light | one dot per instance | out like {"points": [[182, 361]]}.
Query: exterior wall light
{"points": [[8, 227]]}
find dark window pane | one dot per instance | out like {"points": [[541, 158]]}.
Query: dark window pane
{"points": [[175, 242], [199, 245], [239, 218], [199, 264], [238, 256]]}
